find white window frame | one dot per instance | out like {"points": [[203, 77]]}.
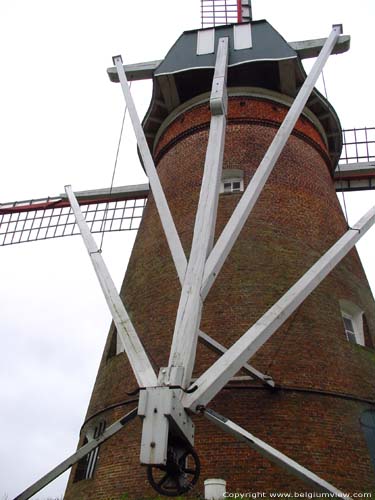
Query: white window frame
{"points": [[90, 460], [355, 315], [230, 176]]}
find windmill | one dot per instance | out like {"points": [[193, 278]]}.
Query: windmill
{"points": [[218, 108]]}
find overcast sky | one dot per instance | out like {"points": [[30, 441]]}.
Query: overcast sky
{"points": [[59, 123]]}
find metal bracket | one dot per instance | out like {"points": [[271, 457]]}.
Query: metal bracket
{"points": [[163, 414]]}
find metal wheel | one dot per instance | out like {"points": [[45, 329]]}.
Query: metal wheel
{"points": [[179, 474]]}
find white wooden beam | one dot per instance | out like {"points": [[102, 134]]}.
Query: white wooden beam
{"points": [[133, 347], [233, 228], [185, 335], [70, 461], [168, 224], [219, 374], [220, 349], [272, 454]]}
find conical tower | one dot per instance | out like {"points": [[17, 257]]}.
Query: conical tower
{"points": [[310, 386]]}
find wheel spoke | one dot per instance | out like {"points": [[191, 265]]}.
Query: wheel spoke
{"points": [[189, 471], [162, 480]]}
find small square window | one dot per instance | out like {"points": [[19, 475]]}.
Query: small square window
{"points": [[231, 185]]}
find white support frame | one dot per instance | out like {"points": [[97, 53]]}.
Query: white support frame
{"points": [[185, 335], [233, 228], [272, 454], [133, 347], [73, 459], [219, 374], [168, 224]]}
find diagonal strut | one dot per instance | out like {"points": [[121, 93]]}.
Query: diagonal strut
{"points": [[272, 454], [80, 453], [217, 376], [133, 347], [165, 215], [233, 228]]}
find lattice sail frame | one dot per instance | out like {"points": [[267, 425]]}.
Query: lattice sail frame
{"points": [[42, 219], [216, 12], [122, 209]]}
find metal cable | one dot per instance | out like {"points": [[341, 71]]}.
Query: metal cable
{"points": [[113, 175]]}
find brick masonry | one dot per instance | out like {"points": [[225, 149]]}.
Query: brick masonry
{"points": [[326, 381]]}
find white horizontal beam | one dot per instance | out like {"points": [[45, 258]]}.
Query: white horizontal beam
{"points": [[219, 374], [236, 222], [133, 347], [167, 222], [272, 454], [311, 48], [304, 48], [131, 191], [70, 461]]}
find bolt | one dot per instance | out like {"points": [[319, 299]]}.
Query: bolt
{"points": [[152, 444], [155, 410]]}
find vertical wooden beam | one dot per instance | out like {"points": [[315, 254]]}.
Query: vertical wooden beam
{"points": [[189, 311]]}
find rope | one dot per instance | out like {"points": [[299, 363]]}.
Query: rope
{"points": [[102, 228]]}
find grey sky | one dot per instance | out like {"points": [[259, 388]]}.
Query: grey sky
{"points": [[59, 122]]}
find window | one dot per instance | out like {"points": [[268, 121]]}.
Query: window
{"points": [[232, 186], [349, 328], [352, 317], [367, 421], [115, 346], [86, 465], [232, 181]]}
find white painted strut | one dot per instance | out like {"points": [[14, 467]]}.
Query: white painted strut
{"points": [[272, 454], [185, 335], [168, 224], [82, 452], [233, 228], [219, 348], [219, 374], [133, 347]]}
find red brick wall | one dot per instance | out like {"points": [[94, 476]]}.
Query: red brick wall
{"points": [[296, 219]]}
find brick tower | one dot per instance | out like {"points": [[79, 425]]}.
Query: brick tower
{"points": [[321, 359]]}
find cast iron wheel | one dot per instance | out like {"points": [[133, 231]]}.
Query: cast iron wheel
{"points": [[179, 475]]}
